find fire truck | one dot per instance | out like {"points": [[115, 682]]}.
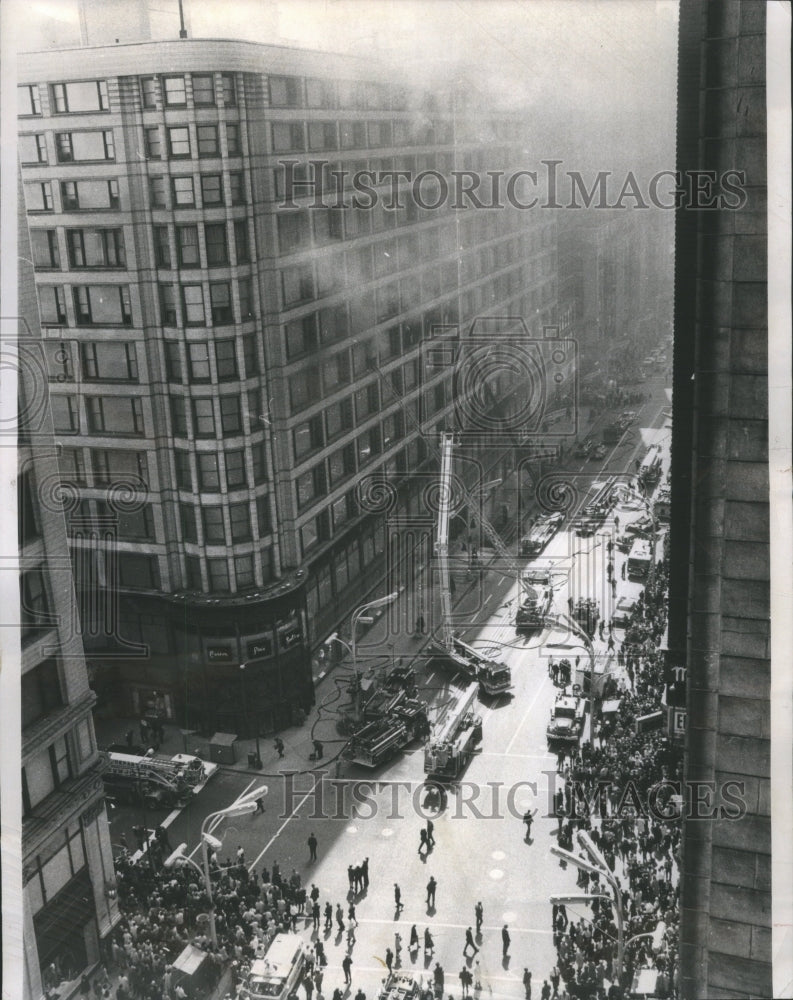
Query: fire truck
{"points": [[540, 533], [155, 780], [401, 986], [567, 717], [454, 739], [494, 677], [391, 720], [536, 602]]}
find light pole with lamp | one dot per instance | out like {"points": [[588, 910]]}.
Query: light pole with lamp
{"points": [[360, 615], [597, 866], [244, 805], [258, 761]]}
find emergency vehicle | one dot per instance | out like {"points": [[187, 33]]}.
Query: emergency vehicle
{"points": [[153, 779], [275, 975], [540, 533], [455, 738]]}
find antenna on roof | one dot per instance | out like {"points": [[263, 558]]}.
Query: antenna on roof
{"points": [[182, 29]]}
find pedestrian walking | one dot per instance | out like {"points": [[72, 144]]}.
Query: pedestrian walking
{"points": [[260, 804], [312, 848], [527, 984], [432, 885], [505, 940], [240, 855], [346, 964], [429, 944], [423, 843], [315, 911], [360, 995], [351, 912], [479, 914], [465, 980], [365, 873], [438, 980], [430, 833], [328, 916], [397, 944], [623, 570], [389, 959], [617, 522], [477, 976], [340, 918], [528, 819], [414, 939], [351, 876], [469, 942], [610, 643], [398, 898]]}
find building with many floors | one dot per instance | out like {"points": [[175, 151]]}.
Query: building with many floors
{"points": [[67, 863], [237, 353]]}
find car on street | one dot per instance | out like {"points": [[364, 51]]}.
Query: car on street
{"points": [[623, 612], [627, 417], [598, 452], [540, 533], [642, 527], [584, 447]]}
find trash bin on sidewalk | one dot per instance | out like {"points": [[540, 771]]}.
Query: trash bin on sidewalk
{"points": [[221, 748]]}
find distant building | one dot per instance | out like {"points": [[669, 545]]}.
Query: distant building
{"points": [[229, 376], [67, 863]]}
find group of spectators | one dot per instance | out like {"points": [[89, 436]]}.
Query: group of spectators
{"points": [[621, 791]]}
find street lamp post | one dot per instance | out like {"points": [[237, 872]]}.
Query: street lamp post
{"points": [[246, 804], [255, 717], [359, 615]]}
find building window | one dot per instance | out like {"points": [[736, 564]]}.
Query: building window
{"points": [[304, 388], [203, 89], [183, 193], [32, 149], [162, 246], [28, 100], [218, 575], [309, 535], [189, 524], [322, 135], [230, 414], [38, 196], [211, 189], [240, 517], [338, 418], [193, 577], [153, 142], [297, 283], [301, 336], [207, 139], [184, 475], [157, 192], [333, 324], [308, 486], [178, 419], [237, 186], [198, 361], [216, 244], [44, 246], [214, 530], [90, 95], [148, 92], [109, 362], [247, 310], [193, 305], [137, 525], [220, 301], [89, 195], [263, 519], [236, 472], [241, 245], [226, 359], [96, 248], [203, 417], [174, 90], [229, 90], [259, 465], [336, 372], [321, 94], [167, 305], [288, 137], [341, 465], [41, 692], [121, 415], [233, 142], [187, 246], [208, 474], [102, 305], [34, 606], [285, 92], [294, 231], [250, 355], [178, 142], [243, 570], [110, 466], [84, 146], [307, 437], [138, 572]]}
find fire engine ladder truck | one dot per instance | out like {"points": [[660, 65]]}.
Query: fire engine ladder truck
{"points": [[455, 739], [163, 774]]}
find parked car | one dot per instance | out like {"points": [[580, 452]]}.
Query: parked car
{"points": [[642, 527], [623, 612]]}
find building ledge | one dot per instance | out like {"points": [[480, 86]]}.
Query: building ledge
{"points": [[45, 730], [61, 807]]}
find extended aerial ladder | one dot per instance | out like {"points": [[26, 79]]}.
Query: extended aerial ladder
{"points": [[454, 739]]}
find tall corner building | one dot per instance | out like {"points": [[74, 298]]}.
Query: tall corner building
{"points": [[68, 876], [235, 350]]}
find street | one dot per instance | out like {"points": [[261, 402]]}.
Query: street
{"points": [[481, 852]]}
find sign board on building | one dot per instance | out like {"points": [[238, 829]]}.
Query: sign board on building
{"points": [[644, 723], [676, 723], [257, 649], [219, 654], [289, 633]]}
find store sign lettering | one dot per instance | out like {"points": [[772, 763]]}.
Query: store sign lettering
{"points": [[222, 653]]}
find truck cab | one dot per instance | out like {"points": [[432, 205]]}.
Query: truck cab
{"points": [[566, 725], [277, 973]]}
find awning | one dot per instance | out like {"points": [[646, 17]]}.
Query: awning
{"points": [[190, 959], [613, 705]]}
